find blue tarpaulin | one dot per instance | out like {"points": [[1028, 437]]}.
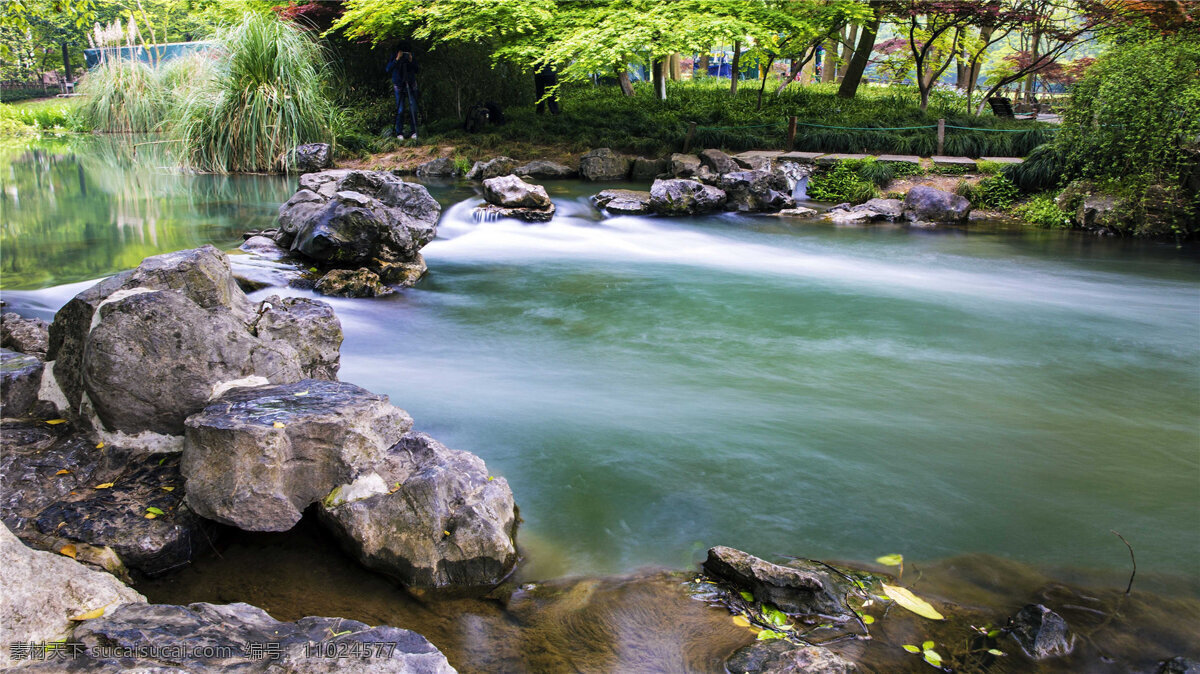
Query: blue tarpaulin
{"points": [[157, 53]]}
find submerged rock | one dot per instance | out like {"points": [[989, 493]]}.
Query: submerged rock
{"points": [[800, 587], [429, 516], [20, 380], [1179, 666], [352, 283], [44, 590], [623, 202], [314, 157], [240, 637], [542, 168], [255, 458], [25, 335], [784, 657], [50, 499], [492, 168], [755, 191], [929, 204], [603, 165], [685, 197], [1042, 633]]}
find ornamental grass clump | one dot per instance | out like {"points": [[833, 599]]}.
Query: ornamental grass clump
{"points": [[123, 97], [267, 94]]}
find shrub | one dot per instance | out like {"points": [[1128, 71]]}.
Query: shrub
{"points": [[996, 192], [1042, 211], [989, 168], [840, 183], [1043, 169]]}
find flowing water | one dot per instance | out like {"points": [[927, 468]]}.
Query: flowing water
{"points": [[653, 387]]}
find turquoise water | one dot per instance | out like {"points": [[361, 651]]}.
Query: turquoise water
{"points": [[654, 387]]}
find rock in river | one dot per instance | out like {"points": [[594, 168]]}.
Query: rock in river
{"points": [[1042, 633], [44, 590], [799, 587], [497, 166], [352, 283], [684, 197], [20, 379], [243, 638], [604, 165], [429, 516], [542, 168], [255, 458], [510, 197], [25, 335], [623, 202], [313, 157], [756, 191], [929, 204], [784, 657]]}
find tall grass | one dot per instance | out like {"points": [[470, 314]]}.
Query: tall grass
{"points": [[123, 97], [266, 96]]}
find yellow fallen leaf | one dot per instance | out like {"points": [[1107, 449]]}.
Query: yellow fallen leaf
{"points": [[278, 424], [300, 393], [446, 532], [99, 445], [104, 485], [55, 422], [64, 471], [91, 615], [868, 620], [168, 488], [491, 477], [912, 602], [68, 550], [741, 621], [150, 516]]}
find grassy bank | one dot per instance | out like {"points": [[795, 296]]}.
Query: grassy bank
{"points": [[599, 116]]}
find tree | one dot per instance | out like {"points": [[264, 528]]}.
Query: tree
{"points": [[857, 64]]}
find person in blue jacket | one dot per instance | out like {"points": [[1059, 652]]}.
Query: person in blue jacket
{"points": [[403, 70]]}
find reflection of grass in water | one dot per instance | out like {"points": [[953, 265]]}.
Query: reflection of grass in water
{"points": [[82, 208]]}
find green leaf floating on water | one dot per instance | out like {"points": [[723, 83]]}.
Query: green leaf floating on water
{"points": [[890, 560], [932, 658], [767, 635], [912, 602], [910, 648], [928, 645], [774, 616]]}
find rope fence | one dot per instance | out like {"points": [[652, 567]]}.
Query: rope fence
{"points": [[791, 123]]}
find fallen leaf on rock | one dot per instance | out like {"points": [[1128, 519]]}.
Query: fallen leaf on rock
{"points": [[168, 488], [154, 511], [104, 485], [741, 621], [99, 445], [64, 471], [912, 602], [91, 615], [55, 422], [68, 550], [278, 424], [150, 516]]}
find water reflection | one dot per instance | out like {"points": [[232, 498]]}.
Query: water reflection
{"points": [[79, 208]]}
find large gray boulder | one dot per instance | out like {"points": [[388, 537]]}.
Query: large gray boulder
{"points": [[428, 516], [683, 165], [543, 168], [243, 638], [718, 161], [25, 335], [155, 356], [492, 168], [604, 165], [255, 458], [202, 275], [929, 204], [44, 590], [512, 192], [684, 197], [440, 167], [349, 219], [48, 496], [758, 191], [20, 379], [800, 588], [308, 326], [313, 157], [352, 283], [647, 170], [623, 202]]}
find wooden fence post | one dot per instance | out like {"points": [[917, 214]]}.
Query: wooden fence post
{"points": [[791, 140], [687, 142], [941, 135]]}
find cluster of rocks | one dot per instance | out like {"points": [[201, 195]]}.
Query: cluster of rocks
{"points": [[509, 196], [922, 206], [445, 167], [167, 402], [362, 230]]}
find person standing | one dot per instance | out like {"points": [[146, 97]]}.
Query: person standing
{"points": [[403, 70], [543, 80]]}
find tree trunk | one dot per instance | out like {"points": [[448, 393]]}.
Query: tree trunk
{"points": [[733, 69], [66, 61], [1031, 77], [623, 80], [765, 71], [793, 70], [847, 52], [676, 67], [974, 68], [862, 53], [660, 78], [703, 69], [829, 66]]}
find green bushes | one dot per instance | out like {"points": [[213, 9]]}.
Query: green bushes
{"points": [[996, 192], [242, 108], [54, 114], [1042, 211], [847, 180]]}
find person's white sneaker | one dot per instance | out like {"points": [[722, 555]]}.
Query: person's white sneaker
{"points": [[414, 136], [400, 136]]}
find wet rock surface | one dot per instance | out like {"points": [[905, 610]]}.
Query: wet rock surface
{"points": [[542, 168], [59, 488], [782, 657], [685, 197], [492, 168], [511, 197], [24, 335], [440, 167], [755, 191], [20, 380], [44, 590], [928, 204], [1042, 633], [308, 326], [646, 170], [352, 283], [255, 458], [430, 516], [683, 165], [238, 637], [313, 157], [604, 165], [719, 162], [801, 587], [623, 202]]}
